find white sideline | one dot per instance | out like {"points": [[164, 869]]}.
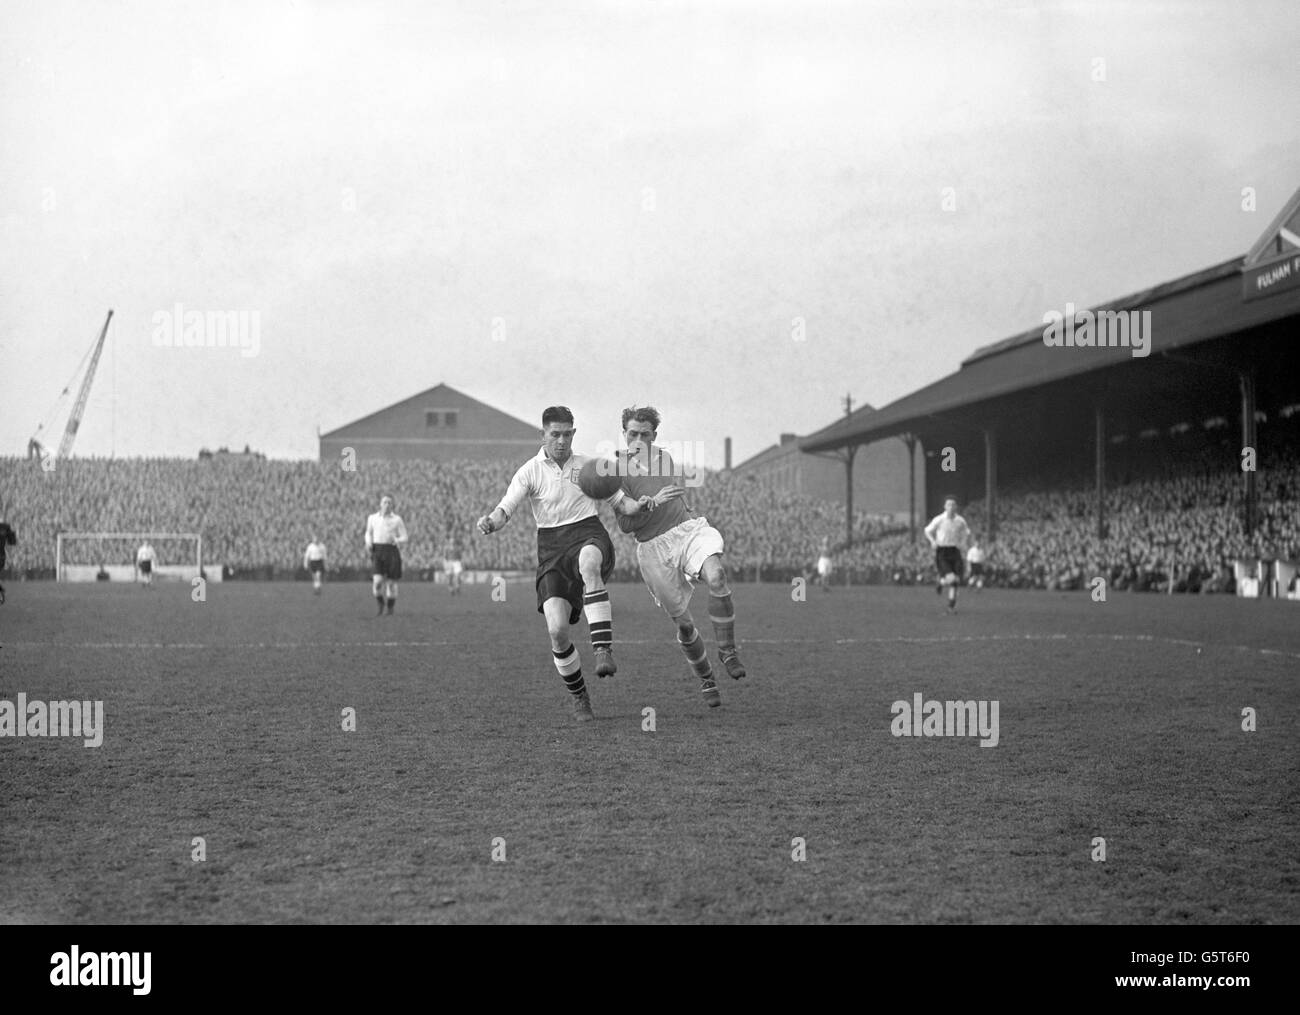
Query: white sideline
{"points": [[445, 643]]}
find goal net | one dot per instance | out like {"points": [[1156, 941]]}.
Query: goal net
{"points": [[110, 556]]}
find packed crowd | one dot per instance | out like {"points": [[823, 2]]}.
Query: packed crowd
{"points": [[1176, 533], [1179, 532], [1181, 529], [256, 514]]}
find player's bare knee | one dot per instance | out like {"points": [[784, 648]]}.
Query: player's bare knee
{"points": [[715, 576], [589, 562], [559, 635]]}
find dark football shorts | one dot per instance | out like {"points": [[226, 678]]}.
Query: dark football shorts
{"points": [[386, 561], [557, 561], [976, 569], [146, 566], [315, 566], [948, 560]]}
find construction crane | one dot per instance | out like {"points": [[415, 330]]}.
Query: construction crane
{"points": [[34, 447]]}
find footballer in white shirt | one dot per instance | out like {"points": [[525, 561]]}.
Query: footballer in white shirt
{"points": [[575, 555], [949, 534], [145, 558], [385, 535], [314, 561], [825, 566], [975, 557]]}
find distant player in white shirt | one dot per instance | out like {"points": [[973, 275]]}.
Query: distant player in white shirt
{"points": [[145, 559], [825, 567], [314, 561], [948, 533], [975, 560], [451, 564], [385, 535], [575, 555]]}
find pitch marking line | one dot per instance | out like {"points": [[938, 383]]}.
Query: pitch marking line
{"points": [[903, 640]]}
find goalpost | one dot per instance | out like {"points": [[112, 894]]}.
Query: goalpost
{"points": [[89, 556]]}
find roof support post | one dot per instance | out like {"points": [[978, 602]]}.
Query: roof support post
{"points": [[910, 440], [991, 482], [849, 452], [1250, 498], [1100, 450]]}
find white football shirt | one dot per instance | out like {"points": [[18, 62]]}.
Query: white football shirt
{"points": [[381, 529], [947, 531], [552, 491]]}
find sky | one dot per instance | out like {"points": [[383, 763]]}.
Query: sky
{"points": [[736, 212]]}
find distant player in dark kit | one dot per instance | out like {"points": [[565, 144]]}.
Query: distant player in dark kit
{"points": [[949, 534], [385, 535], [451, 563], [675, 548], [575, 556], [8, 537]]}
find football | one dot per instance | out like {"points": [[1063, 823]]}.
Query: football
{"points": [[598, 478]]}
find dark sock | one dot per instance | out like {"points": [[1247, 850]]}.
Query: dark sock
{"points": [[696, 655], [723, 617]]}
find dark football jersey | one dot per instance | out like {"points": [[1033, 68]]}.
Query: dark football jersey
{"points": [[642, 479]]}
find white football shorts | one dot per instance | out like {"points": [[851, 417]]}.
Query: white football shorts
{"points": [[670, 563]]}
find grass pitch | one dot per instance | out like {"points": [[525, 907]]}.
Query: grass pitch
{"points": [[223, 720]]}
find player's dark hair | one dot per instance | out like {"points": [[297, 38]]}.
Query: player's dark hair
{"points": [[950, 497], [645, 414], [557, 414]]}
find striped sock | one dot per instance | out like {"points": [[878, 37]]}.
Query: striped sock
{"points": [[723, 616], [600, 618], [695, 654], [570, 666]]}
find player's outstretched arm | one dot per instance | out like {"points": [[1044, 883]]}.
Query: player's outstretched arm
{"points": [[400, 537], [489, 524]]}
